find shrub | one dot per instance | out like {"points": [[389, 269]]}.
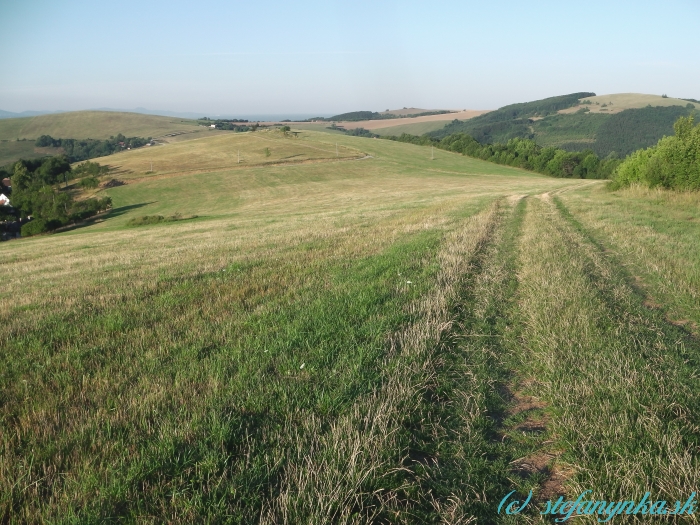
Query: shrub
{"points": [[38, 226], [673, 163], [33, 228], [146, 220], [89, 182]]}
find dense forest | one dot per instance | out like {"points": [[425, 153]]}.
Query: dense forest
{"points": [[82, 149], [617, 134], [674, 162], [523, 153], [512, 121], [633, 129]]}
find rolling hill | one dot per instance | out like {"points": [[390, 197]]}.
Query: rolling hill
{"points": [[17, 135], [93, 125], [340, 341], [607, 124]]}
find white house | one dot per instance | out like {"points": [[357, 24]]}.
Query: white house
{"points": [[212, 125], [4, 201]]}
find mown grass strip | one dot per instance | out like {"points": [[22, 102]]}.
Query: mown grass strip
{"points": [[363, 468]]}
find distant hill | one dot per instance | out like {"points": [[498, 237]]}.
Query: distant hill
{"points": [[17, 135], [618, 123], [355, 116], [10, 114], [619, 102], [91, 124]]}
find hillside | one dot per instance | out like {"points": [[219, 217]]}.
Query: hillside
{"points": [[617, 124], [317, 346], [17, 135], [92, 124], [224, 152], [618, 102]]}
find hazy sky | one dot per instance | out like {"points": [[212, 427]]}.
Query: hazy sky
{"points": [[265, 57]]}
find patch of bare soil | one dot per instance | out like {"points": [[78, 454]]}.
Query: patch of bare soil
{"points": [[544, 460]]}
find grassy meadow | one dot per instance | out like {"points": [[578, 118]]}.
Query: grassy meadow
{"points": [[418, 128], [617, 102], [92, 125], [352, 337]]}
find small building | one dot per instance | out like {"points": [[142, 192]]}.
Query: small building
{"points": [[7, 182], [212, 125], [4, 200]]}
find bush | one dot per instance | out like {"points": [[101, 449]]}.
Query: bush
{"points": [[89, 182], [33, 228], [674, 163], [146, 220], [38, 226]]}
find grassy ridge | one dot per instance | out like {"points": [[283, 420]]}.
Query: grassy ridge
{"points": [[92, 124], [224, 152]]}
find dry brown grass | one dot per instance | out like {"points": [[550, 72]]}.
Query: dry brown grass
{"points": [[618, 102]]}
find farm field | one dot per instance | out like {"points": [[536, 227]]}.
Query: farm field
{"points": [[352, 337]]}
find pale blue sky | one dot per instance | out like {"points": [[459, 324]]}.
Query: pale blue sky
{"points": [[314, 57]]}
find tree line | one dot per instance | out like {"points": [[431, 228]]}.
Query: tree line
{"points": [[82, 149], [523, 153], [238, 125], [357, 116]]}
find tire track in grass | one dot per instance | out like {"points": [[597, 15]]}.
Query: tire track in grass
{"points": [[390, 458], [621, 384]]}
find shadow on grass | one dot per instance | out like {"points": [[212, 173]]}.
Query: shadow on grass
{"points": [[111, 214]]}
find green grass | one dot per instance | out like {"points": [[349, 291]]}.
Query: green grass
{"points": [[93, 125], [619, 381], [418, 128], [379, 337], [12, 150]]}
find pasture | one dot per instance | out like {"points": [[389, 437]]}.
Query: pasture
{"points": [[367, 336], [617, 102], [92, 125]]}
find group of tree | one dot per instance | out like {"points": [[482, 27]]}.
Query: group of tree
{"points": [[82, 149], [354, 132], [523, 153], [356, 116], [238, 125], [674, 162], [36, 193]]}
